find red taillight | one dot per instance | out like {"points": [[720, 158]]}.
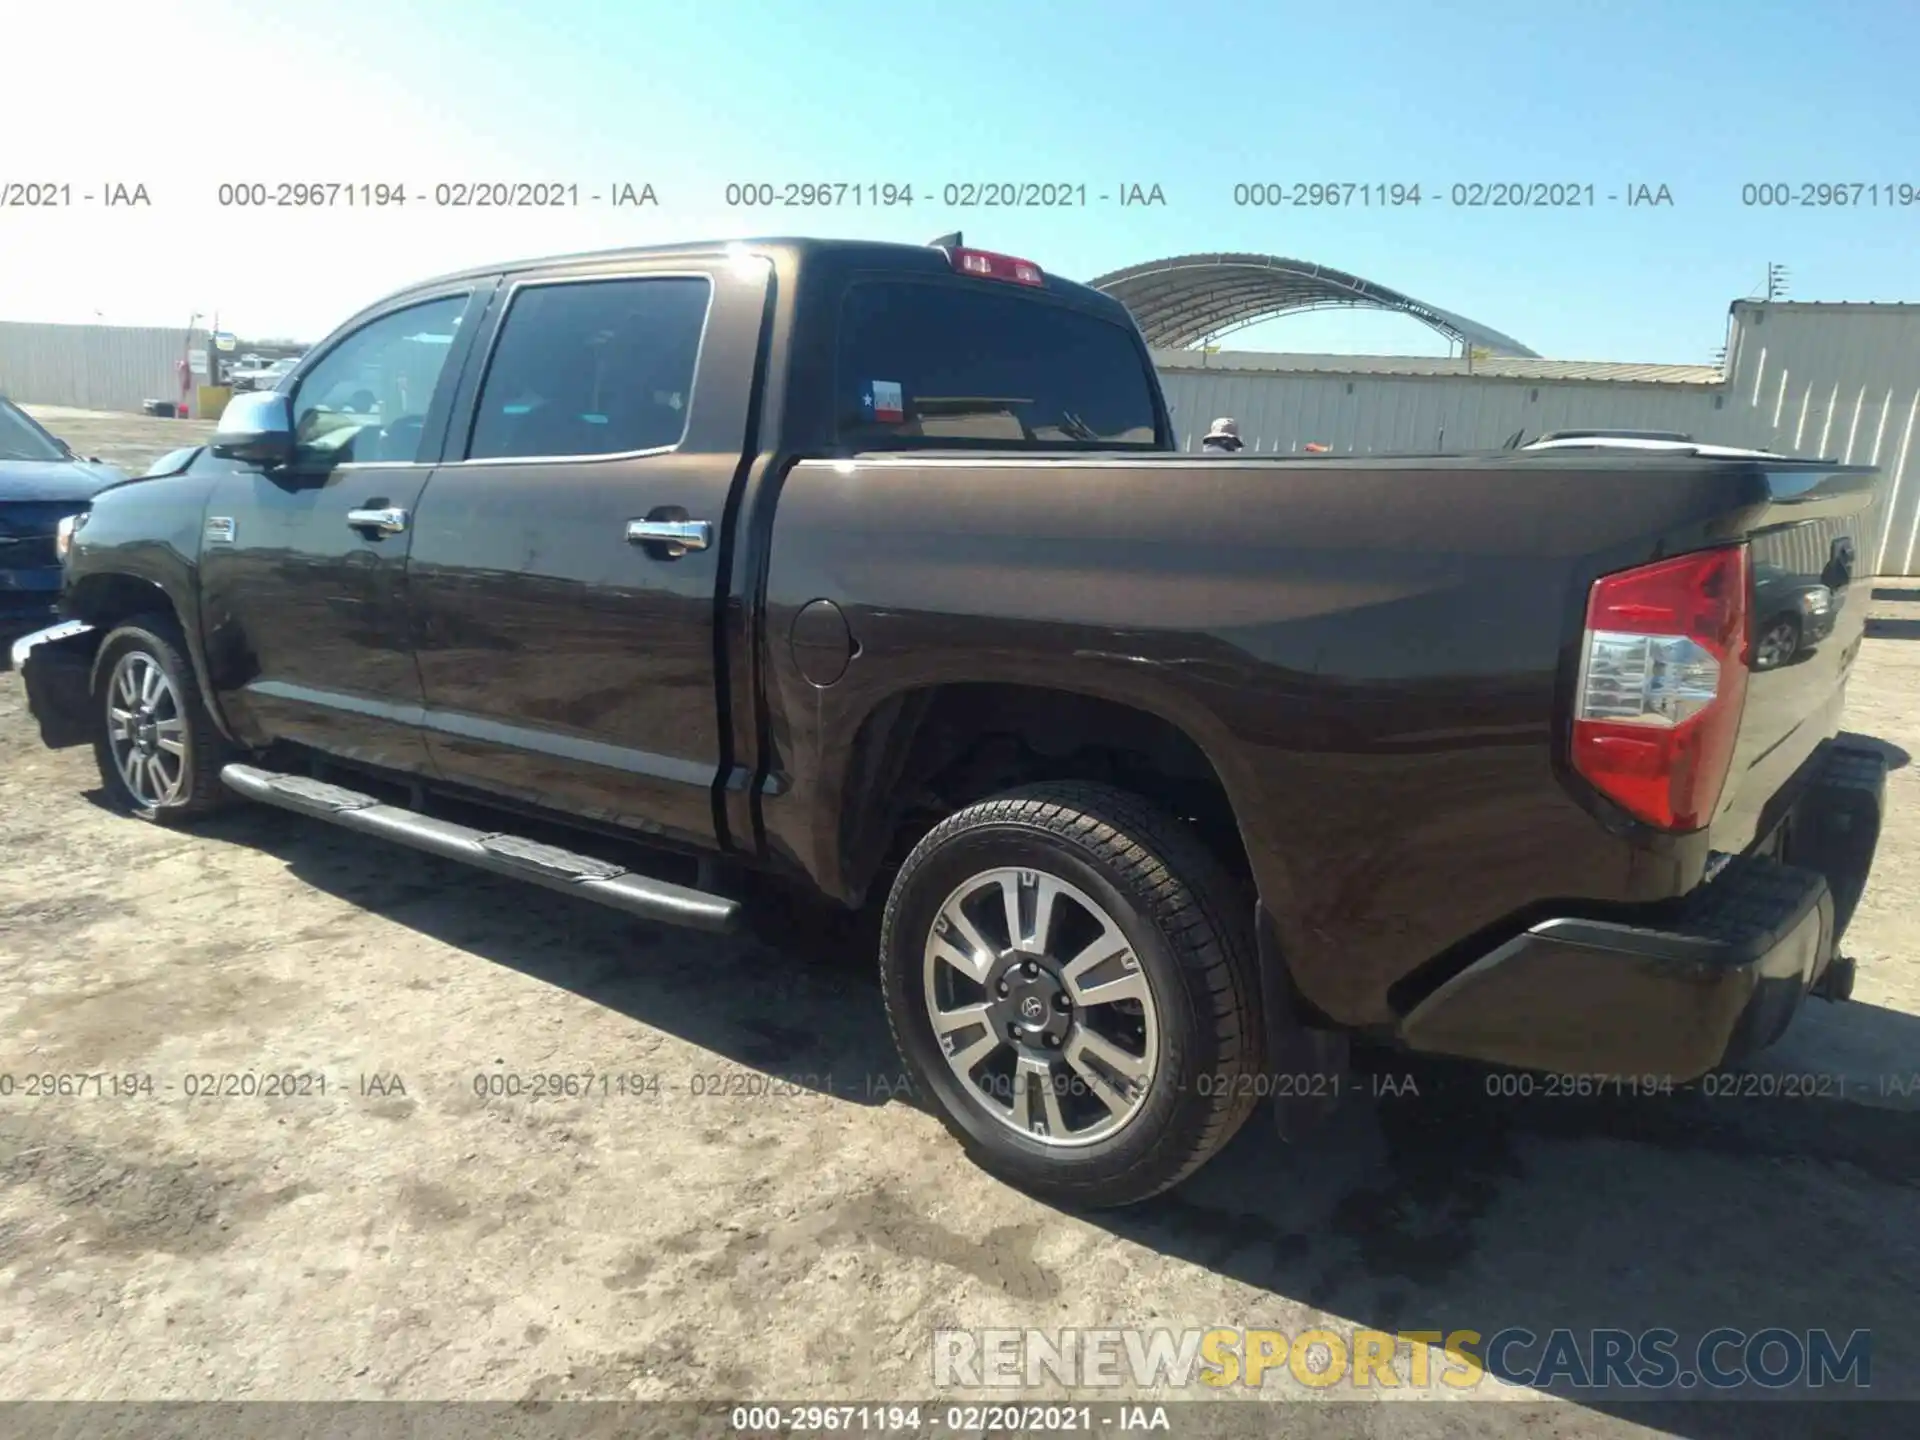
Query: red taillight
{"points": [[1663, 679], [989, 266]]}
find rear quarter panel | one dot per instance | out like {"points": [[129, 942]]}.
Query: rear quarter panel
{"points": [[1371, 654]]}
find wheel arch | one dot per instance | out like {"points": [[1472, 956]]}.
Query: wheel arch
{"points": [[922, 751], [108, 599]]}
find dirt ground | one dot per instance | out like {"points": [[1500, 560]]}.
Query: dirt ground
{"points": [[751, 1211], [131, 442]]}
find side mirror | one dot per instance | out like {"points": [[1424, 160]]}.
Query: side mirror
{"points": [[256, 426]]}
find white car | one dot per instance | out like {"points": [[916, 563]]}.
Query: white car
{"points": [[261, 377], [1643, 440]]}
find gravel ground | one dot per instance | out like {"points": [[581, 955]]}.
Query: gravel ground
{"points": [[751, 1211], [131, 442]]}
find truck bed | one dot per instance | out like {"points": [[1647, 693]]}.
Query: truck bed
{"points": [[1375, 655]]}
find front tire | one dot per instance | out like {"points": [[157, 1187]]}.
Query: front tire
{"points": [[1069, 974], [158, 749], [1777, 645]]}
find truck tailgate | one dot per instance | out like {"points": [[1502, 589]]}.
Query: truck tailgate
{"points": [[1810, 566]]}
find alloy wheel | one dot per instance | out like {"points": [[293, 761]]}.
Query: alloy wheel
{"points": [[1040, 1006], [146, 731]]}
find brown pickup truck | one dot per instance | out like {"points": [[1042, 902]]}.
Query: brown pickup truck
{"points": [[873, 567]]}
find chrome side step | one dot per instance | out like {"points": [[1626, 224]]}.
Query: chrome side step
{"points": [[503, 854]]}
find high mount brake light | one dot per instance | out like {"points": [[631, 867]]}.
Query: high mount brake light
{"points": [[1663, 680], [987, 265]]}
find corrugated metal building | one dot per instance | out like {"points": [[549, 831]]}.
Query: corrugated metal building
{"points": [[92, 367], [1834, 380]]}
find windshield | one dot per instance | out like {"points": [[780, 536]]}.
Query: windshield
{"points": [[22, 439]]}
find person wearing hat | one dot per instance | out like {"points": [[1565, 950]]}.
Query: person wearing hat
{"points": [[1223, 438]]}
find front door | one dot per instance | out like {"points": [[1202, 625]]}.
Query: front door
{"points": [[567, 658], [303, 567]]}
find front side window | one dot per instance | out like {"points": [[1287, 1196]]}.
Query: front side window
{"points": [[602, 367], [366, 400], [985, 365]]}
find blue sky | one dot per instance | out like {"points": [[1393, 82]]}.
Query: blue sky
{"points": [[1701, 96]]}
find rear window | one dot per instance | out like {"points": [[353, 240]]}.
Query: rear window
{"points": [[948, 366]]}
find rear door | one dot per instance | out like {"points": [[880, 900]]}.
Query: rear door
{"points": [[568, 555], [303, 568]]}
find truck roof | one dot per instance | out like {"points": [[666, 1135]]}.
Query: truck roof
{"points": [[842, 254]]}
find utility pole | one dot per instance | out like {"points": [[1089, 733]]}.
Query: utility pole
{"points": [[1776, 281], [186, 368]]}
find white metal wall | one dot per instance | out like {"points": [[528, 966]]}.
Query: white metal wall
{"points": [[1841, 381], [1837, 381], [93, 367], [1364, 414]]}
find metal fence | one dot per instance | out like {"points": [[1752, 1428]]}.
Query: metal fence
{"points": [[91, 367]]}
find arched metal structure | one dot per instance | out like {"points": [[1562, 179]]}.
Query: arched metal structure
{"points": [[1188, 299]]}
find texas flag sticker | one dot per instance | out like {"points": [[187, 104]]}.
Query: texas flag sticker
{"points": [[889, 406]]}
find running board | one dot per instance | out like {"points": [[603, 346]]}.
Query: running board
{"points": [[503, 854]]}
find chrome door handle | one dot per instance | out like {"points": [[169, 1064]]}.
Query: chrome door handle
{"points": [[679, 536], [389, 521]]}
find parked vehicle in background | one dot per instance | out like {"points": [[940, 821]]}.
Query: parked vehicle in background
{"points": [[263, 376], [1646, 441], [871, 566], [1792, 613], [43, 484]]}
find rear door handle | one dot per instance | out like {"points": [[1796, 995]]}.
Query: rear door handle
{"points": [[388, 521], [677, 536]]}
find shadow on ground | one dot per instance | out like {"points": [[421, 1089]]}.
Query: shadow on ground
{"points": [[1887, 628], [1435, 1205], [794, 995]]}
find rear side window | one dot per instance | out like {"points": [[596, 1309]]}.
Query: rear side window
{"points": [[983, 366], [600, 367]]}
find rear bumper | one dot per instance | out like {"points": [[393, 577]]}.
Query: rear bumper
{"points": [[1717, 977]]}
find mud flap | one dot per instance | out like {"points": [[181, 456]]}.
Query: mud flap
{"points": [[1308, 1070]]}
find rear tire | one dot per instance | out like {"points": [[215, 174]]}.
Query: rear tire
{"points": [[158, 750], [1104, 1054]]}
